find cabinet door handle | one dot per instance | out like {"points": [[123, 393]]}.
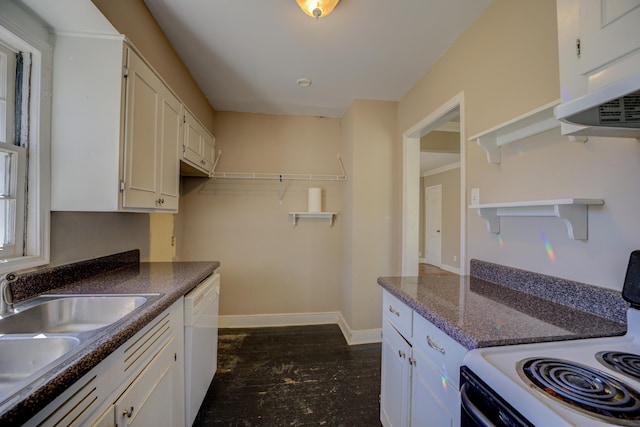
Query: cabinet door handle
{"points": [[434, 346], [412, 361], [128, 412], [394, 311], [401, 354]]}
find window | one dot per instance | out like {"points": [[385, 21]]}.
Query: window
{"points": [[12, 156], [25, 82]]}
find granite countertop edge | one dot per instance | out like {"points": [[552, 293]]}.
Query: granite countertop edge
{"points": [[20, 407], [466, 337]]}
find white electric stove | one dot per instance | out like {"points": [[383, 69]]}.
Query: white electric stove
{"points": [[565, 383]]}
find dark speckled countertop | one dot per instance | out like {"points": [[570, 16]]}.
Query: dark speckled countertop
{"points": [[171, 280], [478, 313]]}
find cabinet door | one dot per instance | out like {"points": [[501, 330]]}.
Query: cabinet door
{"points": [[198, 147], [193, 141], [434, 400], [107, 419], [149, 400], [396, 378], [208, 151], [610, 29], [141, 150], [169, 140]]}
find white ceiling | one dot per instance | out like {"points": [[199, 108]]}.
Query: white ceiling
{"points": [[247, 55]]}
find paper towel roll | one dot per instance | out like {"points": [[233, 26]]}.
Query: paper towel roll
{"points": [[315, 199]]}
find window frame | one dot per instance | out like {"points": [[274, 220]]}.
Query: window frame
{"points": [[22, 31]]}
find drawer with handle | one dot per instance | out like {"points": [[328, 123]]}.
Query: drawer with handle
{"points": [[445, 352], [397, 313]]}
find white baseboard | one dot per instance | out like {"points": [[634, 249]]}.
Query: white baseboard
{"points": [[364, 336], [450, 269], [300, 319], [284, 319]]}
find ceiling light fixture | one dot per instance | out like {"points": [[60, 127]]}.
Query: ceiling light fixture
{"points": [[304, 82], [317, 8]]}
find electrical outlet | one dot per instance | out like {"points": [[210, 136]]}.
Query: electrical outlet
{"points": [[475, 196], [455, 258]]}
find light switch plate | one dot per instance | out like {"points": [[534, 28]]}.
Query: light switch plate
{"points": [[475, 196]]}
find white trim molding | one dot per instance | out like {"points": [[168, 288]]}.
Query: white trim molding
{"points": [[450, 269], [363, 336], [352, 337], [410, 184], [450, 166]]}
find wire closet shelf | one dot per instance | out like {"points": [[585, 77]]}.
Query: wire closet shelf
{"points": [[281, 176]]}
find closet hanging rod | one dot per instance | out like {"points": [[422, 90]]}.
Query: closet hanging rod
{"points": [[282, 176]]}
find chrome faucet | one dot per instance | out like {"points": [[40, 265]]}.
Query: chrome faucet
{"points": [[6, 295]]}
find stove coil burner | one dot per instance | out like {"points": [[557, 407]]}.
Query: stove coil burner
{"points": [[625, 363], [583, 388]]}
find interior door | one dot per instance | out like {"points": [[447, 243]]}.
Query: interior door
{"points": [[433, 238]]}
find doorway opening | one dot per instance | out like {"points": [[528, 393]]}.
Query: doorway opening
{"points": [[434, 155]]}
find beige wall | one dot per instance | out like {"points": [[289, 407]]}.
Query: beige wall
{"points": [[450, 182], [77, 236], [441, 142], [369, 137], [506, 63], [269, 266]]}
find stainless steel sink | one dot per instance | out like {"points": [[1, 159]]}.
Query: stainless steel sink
{"points": [[46, 330], [21, 357], [69, 314]]}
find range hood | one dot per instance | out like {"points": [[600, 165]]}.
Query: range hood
{"points": [[613, 110]]}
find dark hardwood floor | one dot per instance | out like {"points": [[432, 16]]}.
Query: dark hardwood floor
{"points": [[292, 376]]}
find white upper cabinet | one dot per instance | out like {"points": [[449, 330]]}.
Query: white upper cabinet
{"points": [[153, 132], [198, 149], [610, 30], [599, 44], [116, 130]]}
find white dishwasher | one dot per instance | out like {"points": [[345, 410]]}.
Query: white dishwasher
{"points": [[200, 341]]}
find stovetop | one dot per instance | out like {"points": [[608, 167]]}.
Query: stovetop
{"points": [[578, 365]]}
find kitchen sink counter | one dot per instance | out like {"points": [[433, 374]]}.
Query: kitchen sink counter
{"points": [[478, 313], [171, 280]]}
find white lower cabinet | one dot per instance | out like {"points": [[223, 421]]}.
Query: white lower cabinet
{"points": [[420, 370], [395, 378], [434, 401], [140, 384]]}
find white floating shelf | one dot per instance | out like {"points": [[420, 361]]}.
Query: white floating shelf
{"points": [[532, 123], [572, 211], [317, 215]]}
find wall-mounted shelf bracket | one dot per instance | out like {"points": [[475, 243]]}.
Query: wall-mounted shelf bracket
{"points": [[532, 123], [318, 215], [572, 211]]}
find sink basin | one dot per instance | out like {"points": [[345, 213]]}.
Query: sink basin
{"points": [[70, 314], [21, 357]]}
